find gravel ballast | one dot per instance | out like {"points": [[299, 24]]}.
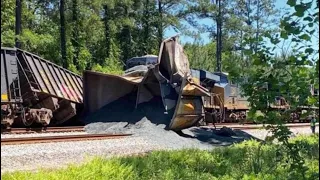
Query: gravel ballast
{"points": [[60, 154], [55, 155], [150, 121], [148, 124]]}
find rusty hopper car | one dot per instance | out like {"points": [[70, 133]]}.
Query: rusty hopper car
{"points": [[36, 90]]}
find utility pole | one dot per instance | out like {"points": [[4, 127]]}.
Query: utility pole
{"points": [[18, 23], [219, 35]]}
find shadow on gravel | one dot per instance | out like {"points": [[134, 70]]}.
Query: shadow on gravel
{"points": [[123, 110], [222, 137]]}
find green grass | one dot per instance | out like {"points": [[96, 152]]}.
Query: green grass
{"points": [[239, 161]]}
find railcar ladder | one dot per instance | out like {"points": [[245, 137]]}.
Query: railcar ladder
{"points": [[15, 90], [30, 77], [28, 73]]}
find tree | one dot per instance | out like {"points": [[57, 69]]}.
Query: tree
{"points": [[107, 31], [75, 40], [169, 15], [160, 25], [270, 77], [63, 35], [7, 22], [18, 23], [249, 20], [201, 56]]}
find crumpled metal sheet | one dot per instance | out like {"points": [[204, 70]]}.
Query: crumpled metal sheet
{"points": [[170, 78], [101, 89], [173, 64]]}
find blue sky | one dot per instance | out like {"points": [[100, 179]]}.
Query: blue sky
{"points": [[280, 4]]}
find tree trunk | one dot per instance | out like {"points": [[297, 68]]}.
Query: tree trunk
{"points": [[106, 32], [258, 26], [241, 50], [75, 33], [63, 36], [219, 35], [146, 28], [127, 39], [18, 23], [160, 28]]}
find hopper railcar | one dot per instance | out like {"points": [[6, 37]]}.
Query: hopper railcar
{"points": [[34, 90]]}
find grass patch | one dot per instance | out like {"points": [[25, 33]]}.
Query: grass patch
{"points": [[246, 160]]}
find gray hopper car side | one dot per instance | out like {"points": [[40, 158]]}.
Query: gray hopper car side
{"points": [[36, 90]]}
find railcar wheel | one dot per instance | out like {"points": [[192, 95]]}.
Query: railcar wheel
{"points": [[26, 120], [42, 116], [45, 116]]}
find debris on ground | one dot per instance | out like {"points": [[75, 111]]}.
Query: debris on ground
{"points": [[148, 101], [149, 121]]}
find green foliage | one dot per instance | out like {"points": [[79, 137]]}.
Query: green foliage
{"points": [[287, 77], [111, 67], [247, 160], [201, 56], [130, 28], [257, 116], [7, 22], [270, 77]]}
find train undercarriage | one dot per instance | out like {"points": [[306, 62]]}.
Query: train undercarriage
{"points": [[35, 91], [21, 116], [217, 112]]}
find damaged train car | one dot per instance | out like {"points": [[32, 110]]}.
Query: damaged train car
{"points": [[34, 90], [169, 81]]}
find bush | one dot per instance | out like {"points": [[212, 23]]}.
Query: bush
{"points": [[247, 160], [112, 67]]}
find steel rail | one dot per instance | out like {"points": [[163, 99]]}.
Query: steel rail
{"points": [[43, 129], [65, 138]]}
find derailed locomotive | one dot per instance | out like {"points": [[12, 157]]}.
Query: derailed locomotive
{"points": [[226, 104], [34, 90]]}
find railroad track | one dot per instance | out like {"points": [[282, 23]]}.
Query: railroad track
{"points": [[257, 126], [81, 128], [43, 130], [65, 138]]}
